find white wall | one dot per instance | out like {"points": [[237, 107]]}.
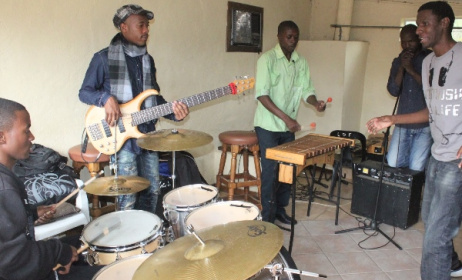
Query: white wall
{"points": [[47, 46], [340, 67]]}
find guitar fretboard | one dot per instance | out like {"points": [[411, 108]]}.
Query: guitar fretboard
{"points": [[167, 108]]}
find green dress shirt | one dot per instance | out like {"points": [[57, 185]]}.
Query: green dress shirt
{"points": [[285, 82]]}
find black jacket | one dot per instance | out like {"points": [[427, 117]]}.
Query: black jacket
{"points": [[21, 257]]}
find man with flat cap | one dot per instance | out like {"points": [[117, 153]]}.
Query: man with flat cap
{"points": [[116, 75]]}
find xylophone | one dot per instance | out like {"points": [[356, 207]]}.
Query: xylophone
{"points": [[305, 151], [308, 150]]}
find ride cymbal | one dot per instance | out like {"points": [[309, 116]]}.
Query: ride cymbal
{"points": [[236, 250], [168, 140], [111, 186]]}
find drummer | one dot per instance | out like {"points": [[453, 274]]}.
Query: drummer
{"points": [[116, 75], [21, 256]]}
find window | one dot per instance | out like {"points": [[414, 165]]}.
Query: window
{"points": [[456, 31]]}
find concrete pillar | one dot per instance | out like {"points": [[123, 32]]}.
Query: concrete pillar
{"points": [[344, 13]]}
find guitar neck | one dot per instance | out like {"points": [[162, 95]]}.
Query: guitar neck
{"points": [[156, 112]]}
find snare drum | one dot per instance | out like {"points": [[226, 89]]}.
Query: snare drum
{"points": [[181, 201], [121, 270], [222, 213], [118, 235]]}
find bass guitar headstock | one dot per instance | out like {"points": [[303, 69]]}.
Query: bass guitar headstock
{"points": [[240, 85]]}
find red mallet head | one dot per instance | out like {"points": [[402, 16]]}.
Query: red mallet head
{"points": [[329, 99]]}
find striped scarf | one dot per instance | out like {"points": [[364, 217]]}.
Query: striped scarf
{"points": [[118, 73]]}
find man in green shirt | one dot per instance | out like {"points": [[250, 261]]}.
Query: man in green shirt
{"points": [[283, 78]]}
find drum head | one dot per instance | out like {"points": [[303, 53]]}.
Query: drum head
{"points": [[121, 228], [222, 213], [190, 195]]}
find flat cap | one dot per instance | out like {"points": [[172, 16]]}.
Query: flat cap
{"points": [[127, 10]]}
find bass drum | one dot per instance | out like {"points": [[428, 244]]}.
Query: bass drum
{"points": [[286, 260]]}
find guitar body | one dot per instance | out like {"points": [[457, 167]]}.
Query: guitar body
{"points": [[97, 128]]}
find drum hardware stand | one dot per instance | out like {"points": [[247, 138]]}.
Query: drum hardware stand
{"points": [[191, 230], [277, 269], [113, 165], [374, 225]]}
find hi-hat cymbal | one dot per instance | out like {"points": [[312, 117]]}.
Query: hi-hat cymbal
{"points": [[168, 140], [111, 186], [236, 250]]}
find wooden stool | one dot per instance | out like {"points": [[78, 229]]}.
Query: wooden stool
{"points": [[90, 160], [237, 142]]}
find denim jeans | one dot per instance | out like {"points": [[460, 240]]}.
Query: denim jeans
{"points": [[144, 165], [268, 139], [441, 214], [409, 148]]}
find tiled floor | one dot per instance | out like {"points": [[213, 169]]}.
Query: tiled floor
{"points": [[355, 255]]}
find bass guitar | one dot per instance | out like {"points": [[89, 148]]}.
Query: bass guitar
{"points": [[109, 139]]}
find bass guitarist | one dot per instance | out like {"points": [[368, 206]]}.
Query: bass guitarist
{"points": [[116, 75]]}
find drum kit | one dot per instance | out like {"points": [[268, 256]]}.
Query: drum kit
{"points": [[210, 239]]}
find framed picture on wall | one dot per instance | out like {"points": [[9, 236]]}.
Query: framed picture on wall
{"points": [[244, 31]]}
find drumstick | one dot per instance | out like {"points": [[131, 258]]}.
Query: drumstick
{"points": [[104, 232], [80, 250], [79, 188], [74, 192]]}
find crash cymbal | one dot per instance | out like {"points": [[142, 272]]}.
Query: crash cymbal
{"points": [[235, 250], [168, 140], [111, 186]]}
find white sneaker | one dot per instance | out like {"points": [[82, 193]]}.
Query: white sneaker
{"points": [[457, 272]]}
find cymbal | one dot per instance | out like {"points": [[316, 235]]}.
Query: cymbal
{"points": [[111, 186], [235, 250], [173, 140]]}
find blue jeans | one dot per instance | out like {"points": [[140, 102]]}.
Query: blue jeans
{"points": [[441, 214], [268, 139], [145, 165], [410, 148]]}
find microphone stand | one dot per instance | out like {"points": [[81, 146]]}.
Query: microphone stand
{"points": [[374, 225]]}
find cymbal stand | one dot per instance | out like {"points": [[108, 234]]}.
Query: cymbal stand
{"points": [[114, 165], [190, 229], [276, 270], [174, 131]]}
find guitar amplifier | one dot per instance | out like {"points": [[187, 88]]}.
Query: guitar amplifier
{"points": [[400, 193]]}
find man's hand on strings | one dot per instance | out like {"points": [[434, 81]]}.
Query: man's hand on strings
{"points": [[113, 112], [180, 110]]}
